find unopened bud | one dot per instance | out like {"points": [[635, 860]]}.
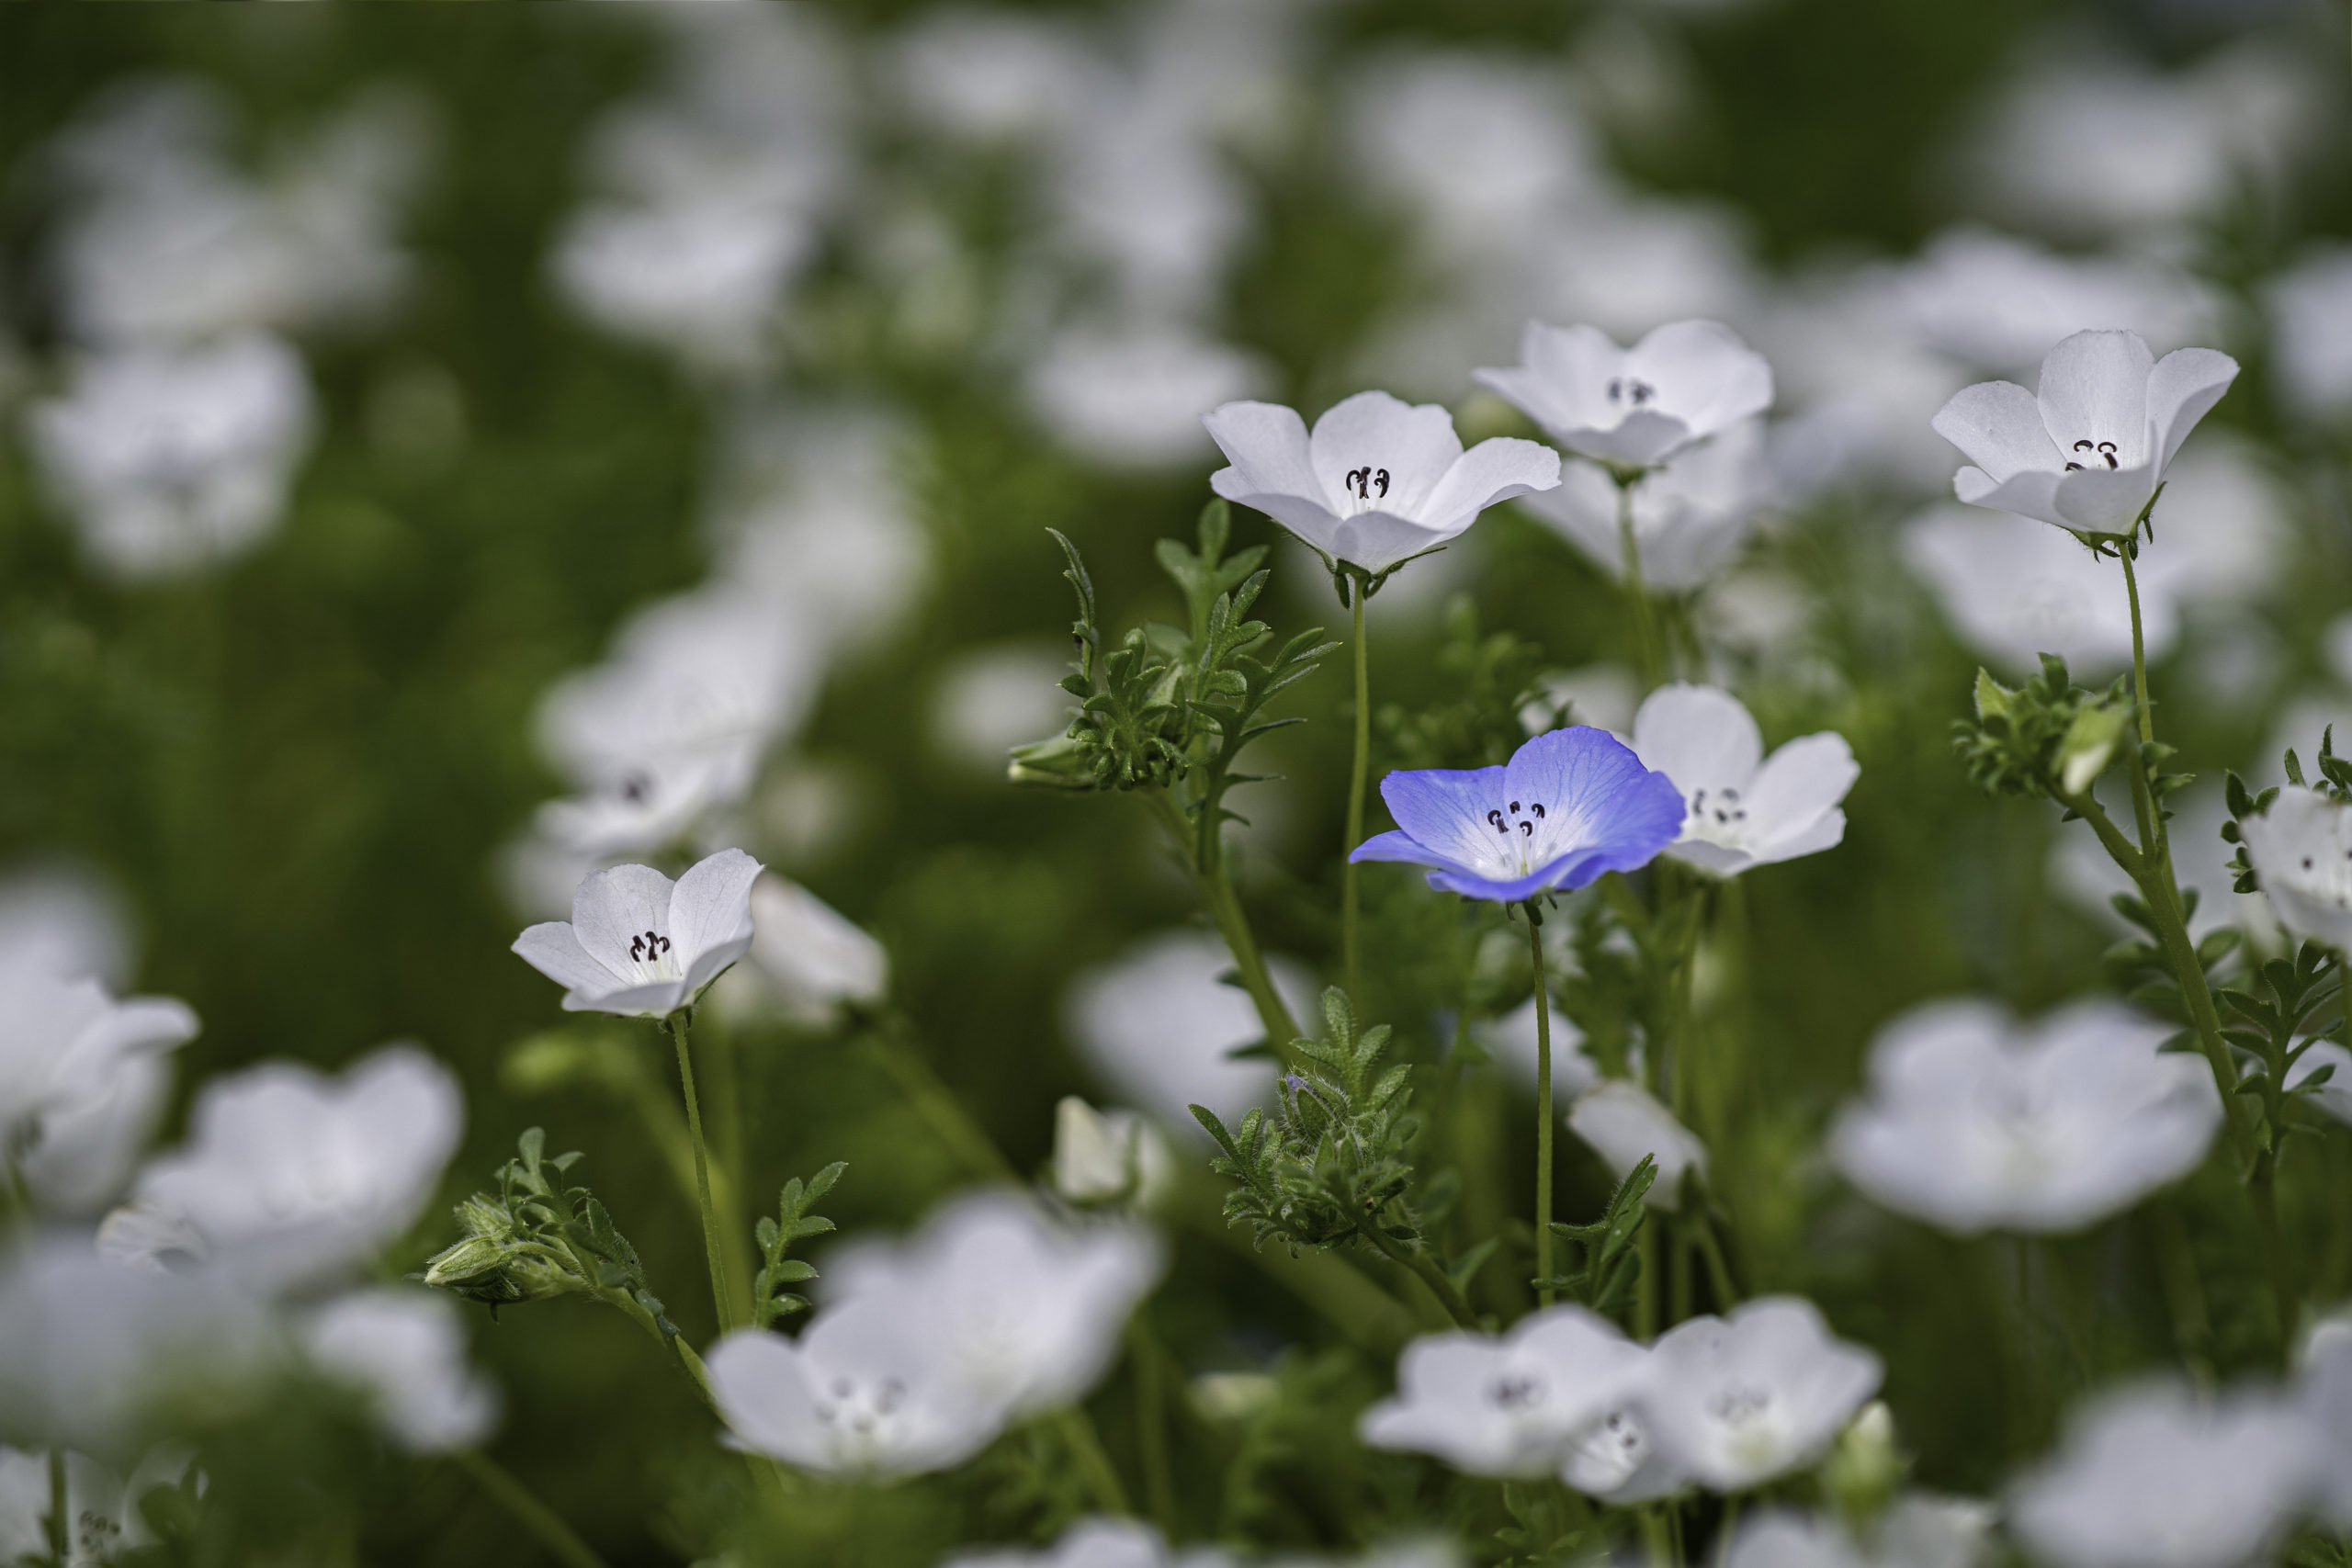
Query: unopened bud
{"points": [[1107, 1156], [2090, 743]]}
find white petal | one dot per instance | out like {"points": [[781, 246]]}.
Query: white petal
{"points": [[1703, 373], [1497, 470], [1302, 514], [1799, 783], [1413, 444], [1266, 443], [710, 911], [2182, 389], [1377, 540], [2094, 387], [1997, 426], [2103, 500], [1698, 736], [2033, 493], [614, 906], [553, 949]]}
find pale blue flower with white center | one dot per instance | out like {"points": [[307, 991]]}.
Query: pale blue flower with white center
{"points": [[1569, 805]]}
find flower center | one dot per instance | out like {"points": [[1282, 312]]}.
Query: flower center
{"points": [[649, 947], [1515, 1391], [1518, 831], [1363, 487], [1741, 1404], [1630, 391], [846, 1406], [1716, 816], [2088, 454]]}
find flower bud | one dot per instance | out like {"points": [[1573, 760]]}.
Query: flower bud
{"points": [[2091, 741], [1107, 1156], [1866, 1468]]}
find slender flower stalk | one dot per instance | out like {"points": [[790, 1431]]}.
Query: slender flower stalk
{"points": [[1348, 896], [722, 1297], [1637, 597], [1205, 853], [1545, 1294]]}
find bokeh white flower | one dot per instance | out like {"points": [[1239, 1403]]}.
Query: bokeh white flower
{"points": [[404, 1352], [1508, 1407], [1634, 407], [1624, 1123], [1740, 1400], [1693, 515], [1746, 810]]}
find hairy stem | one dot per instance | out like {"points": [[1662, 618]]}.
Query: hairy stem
{"points": [[1348, 901], [1457, 1306], [1637, 597], [1205, 853], [1545, 1294], [722, 1298], [544, 1524]]}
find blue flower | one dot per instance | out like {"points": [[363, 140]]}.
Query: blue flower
{"points": [[1570, 805]]}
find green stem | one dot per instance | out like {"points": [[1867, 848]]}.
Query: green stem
{"points": [[721, 1297], [1086, 1446], [1637, 598], [1646, 1285], [1657, 1542], [1347, 902], [1448, 1296], [1151, 1421], [1711, 1252], [1205, 855], [60, 1520], [1545, 1294], [544, 1524]]}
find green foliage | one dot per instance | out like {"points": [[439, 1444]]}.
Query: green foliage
{"points": [[1491, 678], [793, 1222], [2049, 737], [538, 1238], [2273, 1025], [1168, 706], [1612, 1265], [1331, 1165]]}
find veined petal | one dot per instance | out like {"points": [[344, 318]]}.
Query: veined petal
{"points": [[2094, 387], [711, 907], [1302, 514], [2032, 494], [614, 906], [2182, 389], [1496, 470], [1645, 436], [1798, 784], [1562, 375], [1413, 444], [1595, 792], [2104, 499], [1399, 846], [1378, 540], [1700, 737], [657, 1000], [1704, 373], [1997, 426], [1444, 809], [1266, 443], [553, 949]]}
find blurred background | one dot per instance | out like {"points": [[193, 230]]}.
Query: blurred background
{"points": [[450, 451]]}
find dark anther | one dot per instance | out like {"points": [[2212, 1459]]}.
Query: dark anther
{"points": [[2084, 445], [1380, 478], [1616, 389], [1496, 818], [1514, 806], [652, 944], [634, 788], [1527, 829], [2073, 468], [1539, 809]]}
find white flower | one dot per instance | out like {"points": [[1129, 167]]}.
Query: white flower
{"points": [[1509, 1406], [806, 962], [1109, 1156], [862, 1392], [1997, 302], [82, 1080], [1025, 1314], [1623, 1121], [1617, 1461], [990, 76], [2015, 589], [289, 1176], [1634, 407], [97, 1354], [2156, 1476], [674, 725], [1691, 514], [990, 700], [2302, 850], [1377, 483], [1745, 809], [1512, 1039], [1975, 1123], [642, 946], [2310, 332], [1915, 1532], [1132, 400], [405, 1351], [1741, 1399], [1098, 1543], [1159, 1026], [2088, 450], [173, 460], [2324, 1389], [98, 1527], [700, 275]]}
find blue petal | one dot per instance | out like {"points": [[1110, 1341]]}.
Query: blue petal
{"points": [[1398, 845], [1444, 810]]}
